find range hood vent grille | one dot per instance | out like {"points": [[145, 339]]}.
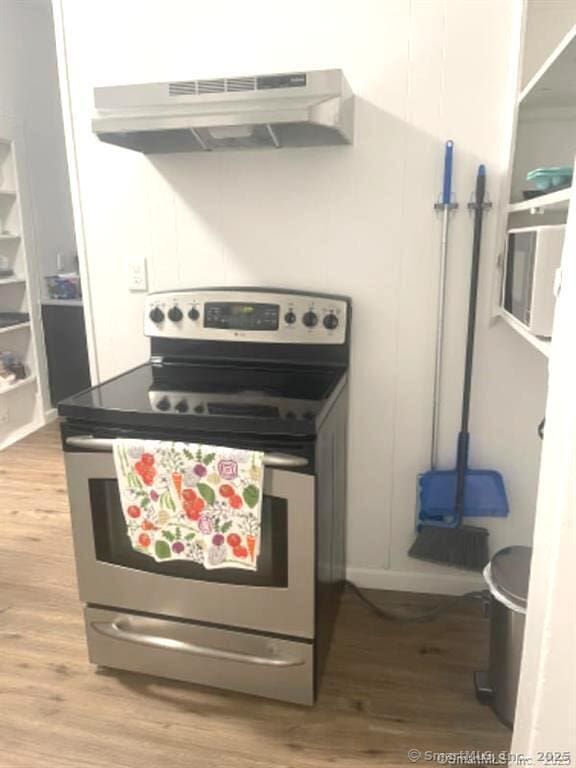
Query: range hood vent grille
{"points": [[236, 84], [221, 85], [189, 88]]}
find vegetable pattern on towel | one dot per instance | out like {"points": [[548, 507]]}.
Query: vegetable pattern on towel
{"points": [[184, 501]]}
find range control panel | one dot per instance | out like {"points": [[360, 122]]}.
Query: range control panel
{"points": [[244, 315], [239, 404]]}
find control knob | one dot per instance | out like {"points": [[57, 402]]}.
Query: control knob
{"points": [[163, 404], [175, 314], [156, 315], [193, 314], [310, 319], [290, 317], [331, 321], [181, 406]]}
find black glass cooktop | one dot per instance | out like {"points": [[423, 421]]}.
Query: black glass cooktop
{"points": [[214, 398]]}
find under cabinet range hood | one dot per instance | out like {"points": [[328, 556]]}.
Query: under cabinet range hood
{"points": [[296, 109]]}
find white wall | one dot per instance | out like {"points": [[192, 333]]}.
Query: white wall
{"points": [[355, 220], [29, 92]]}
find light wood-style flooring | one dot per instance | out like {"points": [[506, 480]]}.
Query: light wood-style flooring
{"points": [[389, 686]]}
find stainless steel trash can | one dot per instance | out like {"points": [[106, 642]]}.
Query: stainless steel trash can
{"points": [[507, 576]]}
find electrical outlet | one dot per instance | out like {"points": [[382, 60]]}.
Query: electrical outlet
{"points": [[137, 279]]}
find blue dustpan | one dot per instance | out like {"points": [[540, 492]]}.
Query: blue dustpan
{"points": [[482, 495]]}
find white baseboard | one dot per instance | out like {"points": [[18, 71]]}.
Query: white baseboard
{"points": [[412, 581], [51, 415]]}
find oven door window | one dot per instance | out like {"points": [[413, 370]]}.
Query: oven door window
{"points": [[113, 544]]}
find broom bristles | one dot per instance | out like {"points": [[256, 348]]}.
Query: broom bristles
{"points": [[463, 547]]}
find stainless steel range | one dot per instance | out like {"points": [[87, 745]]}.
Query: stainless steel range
{"points": [[260, 369]]}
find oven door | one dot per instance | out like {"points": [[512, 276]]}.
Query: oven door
{"points": [[278, 597]]}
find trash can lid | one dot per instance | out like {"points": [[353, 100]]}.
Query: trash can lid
{"points": [[510, 569]]}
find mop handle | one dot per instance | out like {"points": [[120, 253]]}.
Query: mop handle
{"points": [[445, 207], [447, 180], [464, 437]]}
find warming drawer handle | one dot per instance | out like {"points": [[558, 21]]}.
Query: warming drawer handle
{"points": [[100, 444], [114, 630]]}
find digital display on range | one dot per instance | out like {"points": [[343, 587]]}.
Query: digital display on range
{"points": [[240, 316]]}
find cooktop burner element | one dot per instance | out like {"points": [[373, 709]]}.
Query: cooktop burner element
{"points": [[246, 368]]}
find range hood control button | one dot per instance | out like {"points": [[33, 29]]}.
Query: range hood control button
{"points": [[331, 321], [156, 315], [310, 319], [193, 314], [175, 314]]}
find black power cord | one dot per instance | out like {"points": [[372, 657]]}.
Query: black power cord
{"points": [[406, 614]]}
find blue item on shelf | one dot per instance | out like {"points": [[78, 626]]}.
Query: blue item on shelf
{"points": [[64, 286], [548, 179]]}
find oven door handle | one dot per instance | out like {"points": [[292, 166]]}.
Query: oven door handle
{"points": [[104, 445], [116, 631]]}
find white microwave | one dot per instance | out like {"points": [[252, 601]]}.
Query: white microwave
{"points": [[533, 256]]}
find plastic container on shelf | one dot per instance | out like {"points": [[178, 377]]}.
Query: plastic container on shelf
{"points": [[64, 286], [549, 179], [12, 370]]}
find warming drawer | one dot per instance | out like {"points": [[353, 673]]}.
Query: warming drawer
{"points": [[239, 661]]}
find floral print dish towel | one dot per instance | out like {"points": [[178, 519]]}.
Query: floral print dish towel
{"points": [[183, 501]]}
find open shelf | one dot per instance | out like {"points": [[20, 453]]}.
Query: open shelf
{"points": [[7, 193], [15, 327], [11, 280], [554, 85], [553, 201], [9, 238], [18, 385], [62, 303], [542, 345]]}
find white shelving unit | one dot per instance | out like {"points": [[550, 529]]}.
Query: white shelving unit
{"points": [[22, 404], [542, 345], [554, 85], [14, 328], [554, 201], [18, 385], [545, 136]]}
